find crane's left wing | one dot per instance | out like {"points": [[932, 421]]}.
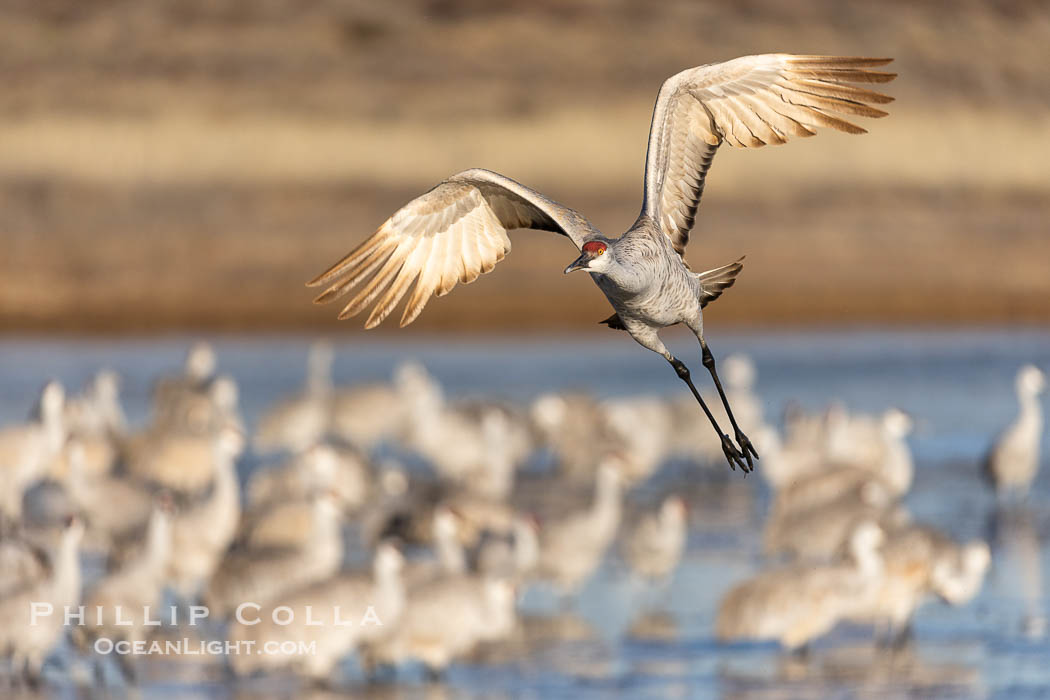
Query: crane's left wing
{"points": [[747, 102], [453, 233]]}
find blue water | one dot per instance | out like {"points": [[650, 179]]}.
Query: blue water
{"points": [[956, 384]]}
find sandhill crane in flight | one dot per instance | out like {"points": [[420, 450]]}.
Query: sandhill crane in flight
{"points": [[458, 230]]}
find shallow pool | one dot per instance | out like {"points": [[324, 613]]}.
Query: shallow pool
{"points": [[621, 637]]}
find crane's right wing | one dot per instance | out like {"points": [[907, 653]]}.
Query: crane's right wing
{"points": [[453, 233]]}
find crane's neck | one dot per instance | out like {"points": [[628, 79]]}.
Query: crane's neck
{"points": [[500, 606], [54, 426], [66, 582], [223, 504], [1030, 410], [867, 560], [451, 556], [158, 542], [621, 281], [606, 507], [390, 589], [327, 522], [113, 415]]}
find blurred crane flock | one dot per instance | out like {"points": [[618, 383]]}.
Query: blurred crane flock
{"points": [[436, 516]]}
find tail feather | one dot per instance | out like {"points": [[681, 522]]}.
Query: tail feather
{"points": [[714, 282]]}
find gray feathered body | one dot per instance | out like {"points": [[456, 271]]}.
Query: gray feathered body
{"points": [[649, 284], [651, 287]]}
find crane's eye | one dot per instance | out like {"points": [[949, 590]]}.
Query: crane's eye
{"points": [[601, 251]]}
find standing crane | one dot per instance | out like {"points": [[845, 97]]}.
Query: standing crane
{"points": [[458, 230]]}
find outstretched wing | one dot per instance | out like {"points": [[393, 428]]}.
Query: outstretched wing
{"points": [[747, 102], [453, 233]]}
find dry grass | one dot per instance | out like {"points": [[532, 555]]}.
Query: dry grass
{"points": [[584, 149], [237, 257], [190, 162]]}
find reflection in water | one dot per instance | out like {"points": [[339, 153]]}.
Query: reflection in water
{"points": [[655, 626], [1018, 563], [861, 671]]}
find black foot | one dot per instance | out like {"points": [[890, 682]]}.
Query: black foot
{"points": [[735, 457], [747, 448]]}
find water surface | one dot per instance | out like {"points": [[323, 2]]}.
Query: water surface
{"points": [[636, 641]]}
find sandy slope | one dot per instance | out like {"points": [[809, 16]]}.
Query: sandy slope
{"points": [[191, 163]]}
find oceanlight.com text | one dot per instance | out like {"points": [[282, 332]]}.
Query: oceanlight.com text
{"points": [[199, 647]]}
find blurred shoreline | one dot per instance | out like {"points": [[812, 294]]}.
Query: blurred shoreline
{"points": [[103, 259], [189, 165]]}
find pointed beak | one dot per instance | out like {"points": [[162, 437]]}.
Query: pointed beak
{"points": [[579, 263]]}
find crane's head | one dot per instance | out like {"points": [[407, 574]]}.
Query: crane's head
{"points": [[1030, 381], [592, 257]]}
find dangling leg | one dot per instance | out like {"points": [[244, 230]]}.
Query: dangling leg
{"points": [[732, 453], [647, 337], [708, 360]]}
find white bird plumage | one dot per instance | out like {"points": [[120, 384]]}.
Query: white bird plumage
{"points": [[799, 603], [1013, 461]]}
